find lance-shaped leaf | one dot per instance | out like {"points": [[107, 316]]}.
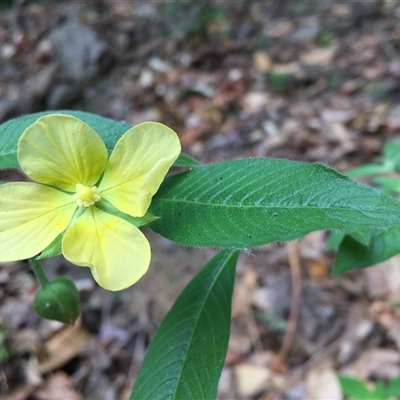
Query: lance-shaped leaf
{"points": [[251, 202], [187, 353]]}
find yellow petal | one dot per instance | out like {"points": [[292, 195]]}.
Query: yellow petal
{"points": [[117, 252], [62, 151], [31, 217], [138, 165]]}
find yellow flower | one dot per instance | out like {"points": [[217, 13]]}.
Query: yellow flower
{"points": [[74, 176]]}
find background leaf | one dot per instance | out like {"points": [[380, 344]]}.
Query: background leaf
{"points": [[352, 254], [187, 353], [251, 202], [109, 130], [354, 388], [393, 388], [185, 161]]}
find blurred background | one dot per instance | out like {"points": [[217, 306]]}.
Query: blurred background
{"points": [[303, 80]]}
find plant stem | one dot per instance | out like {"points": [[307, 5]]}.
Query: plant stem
{"points": [[39, 272]]}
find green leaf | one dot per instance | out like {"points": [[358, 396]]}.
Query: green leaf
{"points": [[354, 388], [378, 392], [393, 388], [362, 235], [109, 130], [384, 244], [389, 184], [368, 170], [334, 240], [185, 161], [391, 153], [58, 300], [187, 353], [251, 202]]}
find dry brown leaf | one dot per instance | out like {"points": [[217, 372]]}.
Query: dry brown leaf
{"points": [[383, 280], [251, 379], [190, 135], [337, 132], [225, 385], [22, 393], [254, 102], [322, 383], [389, 318], [242, 296], [262, 61], [58, 386], [379, 363], [318, 269], [312, 246], [239, 344], [341, 10], [358, 327], [321, 57], [293, 68], [63, 346]]}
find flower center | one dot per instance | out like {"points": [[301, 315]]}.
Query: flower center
{"points": [[86, 196]]}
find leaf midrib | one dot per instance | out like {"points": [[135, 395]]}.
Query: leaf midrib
{"points": [[251, 206]]}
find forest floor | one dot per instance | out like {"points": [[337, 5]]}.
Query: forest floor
{"points": [[302, 80]]}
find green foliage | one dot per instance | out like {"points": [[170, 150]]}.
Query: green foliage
{"points": [[356, 389], [358, 251], [324, 38], [384, 166], [191, 17], [4, 4], [232, 205], [187, 353], [251, 202], [279, 81], [4, 352], [352, 254]]}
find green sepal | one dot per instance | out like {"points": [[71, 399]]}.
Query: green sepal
{"points": [[52, 250], [58, 300], [107, 207]]}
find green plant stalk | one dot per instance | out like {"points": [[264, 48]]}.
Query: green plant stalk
{"points": [[39, 272]]}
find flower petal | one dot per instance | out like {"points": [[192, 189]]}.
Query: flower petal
{"points": [[31, 217], [61, 151], [138, 165], [117, 252]]}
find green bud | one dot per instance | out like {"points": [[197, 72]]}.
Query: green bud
{"points": [[58, 300]]}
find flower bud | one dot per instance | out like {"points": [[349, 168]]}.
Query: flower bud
{"points": [[58, 300]]}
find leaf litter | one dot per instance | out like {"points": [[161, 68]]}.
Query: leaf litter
{"points": [[300, 80]]}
